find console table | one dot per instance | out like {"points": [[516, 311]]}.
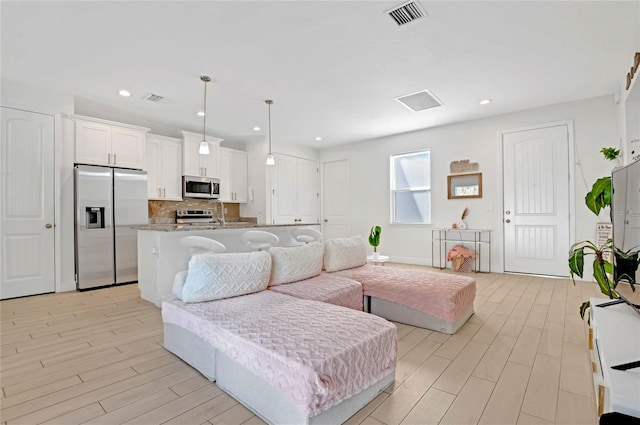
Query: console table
{"points": [[614, 339], [478, 240]]}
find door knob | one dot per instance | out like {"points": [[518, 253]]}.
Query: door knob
{"points": [[326, 221], [507, 212], [507, 221], [48, 225]]}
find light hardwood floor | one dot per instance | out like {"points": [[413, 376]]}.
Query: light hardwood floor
{"points": [[96, 357]]}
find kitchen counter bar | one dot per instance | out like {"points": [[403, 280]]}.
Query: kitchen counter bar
{"points": [[161, 255], [230, 225]]}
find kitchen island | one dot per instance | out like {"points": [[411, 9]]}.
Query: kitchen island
{"points": [[161, 256]]}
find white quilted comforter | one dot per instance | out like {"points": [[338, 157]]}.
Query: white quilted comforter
{"points": [[316, 354], [443, 295], [328, 288]]}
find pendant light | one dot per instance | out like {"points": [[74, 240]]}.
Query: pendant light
{"points": [[204, 145], [270, 159]]}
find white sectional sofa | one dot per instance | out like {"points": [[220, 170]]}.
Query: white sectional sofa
{"points": [[302, 350]]}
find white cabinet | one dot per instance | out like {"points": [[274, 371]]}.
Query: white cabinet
{"points": [[100, 142], [164, 167], [233, 175], [295, 192], [614, 340], [196, 164]]}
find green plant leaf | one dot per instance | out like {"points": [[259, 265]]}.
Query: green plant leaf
{"points": [[583, 308], [374, 236], [601, 279], [599, 196], [608, 267], [610, 153], [576, 262]]}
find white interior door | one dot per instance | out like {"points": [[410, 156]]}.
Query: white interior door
{"points": [[536, 200], [335, 198], [27, 194], [308, 195], [284, 195]]}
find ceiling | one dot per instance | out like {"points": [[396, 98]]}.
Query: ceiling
{"points": [[332, 68]]}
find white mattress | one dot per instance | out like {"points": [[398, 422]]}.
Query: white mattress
{"points": [[315, 353], [328, 288]]}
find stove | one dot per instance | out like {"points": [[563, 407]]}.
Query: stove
{"points": [[195, 217]]}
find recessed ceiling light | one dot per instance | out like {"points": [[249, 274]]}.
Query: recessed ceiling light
{"points": [[485, 101], [318, 139], [200, 113], [256, 128], [124, 93]]}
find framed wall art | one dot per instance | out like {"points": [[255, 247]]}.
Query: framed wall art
{"points": [[464, 186]]}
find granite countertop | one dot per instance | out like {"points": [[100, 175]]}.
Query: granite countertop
{"points": [[200, 227]]}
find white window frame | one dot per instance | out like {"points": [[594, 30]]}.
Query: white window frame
{"points": [[393, 191]]}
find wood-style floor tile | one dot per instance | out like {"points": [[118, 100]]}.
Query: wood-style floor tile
{"points": [[96, 357], [542, 392]]}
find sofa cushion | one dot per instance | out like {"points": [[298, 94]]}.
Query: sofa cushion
{"points": [[344, 253], [291, 264], [216, 276]]}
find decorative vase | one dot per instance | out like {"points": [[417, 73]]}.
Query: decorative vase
{"points": [[375, 255], [462, 225]]}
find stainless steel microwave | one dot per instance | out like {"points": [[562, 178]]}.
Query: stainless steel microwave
{"points": [[200, 187]]}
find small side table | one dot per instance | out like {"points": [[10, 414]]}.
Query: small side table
{"points": [[380, 261]]}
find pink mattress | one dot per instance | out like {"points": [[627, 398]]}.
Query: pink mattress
{"points": [[327, 288], [442, 295], [316, 354]]}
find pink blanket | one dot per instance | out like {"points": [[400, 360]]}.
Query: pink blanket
{"points": [[442, 295], [327, 288], [316, 354]]}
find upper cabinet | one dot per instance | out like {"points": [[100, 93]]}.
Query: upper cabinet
{"points": [[233, 175], [164, 167], [196, 164], [295, 193], [100, 142]]}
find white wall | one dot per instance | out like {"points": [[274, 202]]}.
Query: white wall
{"points": [[46, 101], [595, 126]]}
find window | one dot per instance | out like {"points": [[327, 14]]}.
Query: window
{"points": [[411, 188]]}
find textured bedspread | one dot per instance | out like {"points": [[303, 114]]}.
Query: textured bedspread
{"points": [[328, 288], [442, 295], [316, 354]]}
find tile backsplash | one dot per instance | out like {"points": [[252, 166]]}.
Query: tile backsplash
{"points": [[163, 212]]}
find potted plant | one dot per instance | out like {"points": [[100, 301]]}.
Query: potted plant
{"points": [[597, 199], [374, 240]]}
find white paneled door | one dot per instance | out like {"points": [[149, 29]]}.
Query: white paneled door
{"points": [[335, 198], [536, 200], [27, 211]]}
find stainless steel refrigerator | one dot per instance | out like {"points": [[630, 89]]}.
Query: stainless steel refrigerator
{"points": [[108, 201]]}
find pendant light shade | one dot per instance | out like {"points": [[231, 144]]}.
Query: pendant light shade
{"points": [[270, 159], [204, 145]]}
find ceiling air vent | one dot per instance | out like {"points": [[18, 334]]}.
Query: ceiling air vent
{"points": [[419, 101], [153, 97], [407, 13]]}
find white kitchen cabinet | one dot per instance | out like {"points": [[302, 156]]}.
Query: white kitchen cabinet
{"points": [[295, 191], [233, 175], [164, 167], [195, 164], [100, 142]]}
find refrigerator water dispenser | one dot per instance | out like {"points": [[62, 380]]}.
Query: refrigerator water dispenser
{"points": [[94, 217]]}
